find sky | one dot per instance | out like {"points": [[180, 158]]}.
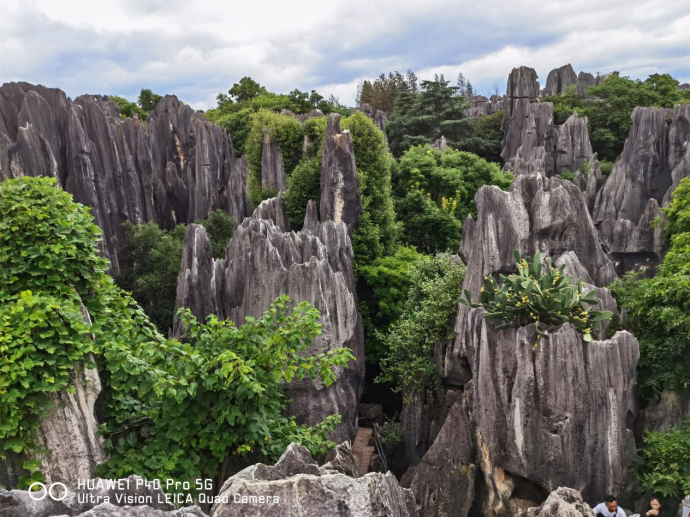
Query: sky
{"points": [[196, 49]]}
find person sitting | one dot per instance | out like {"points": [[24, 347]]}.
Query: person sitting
{"points": [[655, 507], [608, 508]]}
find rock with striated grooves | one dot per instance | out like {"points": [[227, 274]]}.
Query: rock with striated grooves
{"points": [[623, 206], [481, 105], [177, 172], [440, 144], [239, 206], [341, 459], [562, 502], [573, 149], [443, 483], [198, 288], [584, 81], [669, 411], [301, 490], [272, 171], [555, 414], [559, 79], [678, 147], [273, 209], [263, 261], [340, 200]]}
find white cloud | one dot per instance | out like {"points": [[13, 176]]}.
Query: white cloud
{"points": [[196, 49]]}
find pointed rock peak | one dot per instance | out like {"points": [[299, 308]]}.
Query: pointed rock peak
{"points": [[273, 209], [522, 82], [340, 200], [311, 219]]}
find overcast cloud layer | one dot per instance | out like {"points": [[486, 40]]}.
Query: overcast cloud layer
{"points": [[196, 49]]}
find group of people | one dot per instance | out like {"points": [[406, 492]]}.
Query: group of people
{"points": [[609, 507]]}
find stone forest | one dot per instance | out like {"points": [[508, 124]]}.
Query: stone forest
{"points": [[436, 303]]}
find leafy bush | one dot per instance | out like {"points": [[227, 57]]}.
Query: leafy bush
{"points": [[539, 296], [659, 308], [303, 185], [238, 125], [566, 175], [180, 410], [128, 108], [664, 464], [427, 317], [606, 167]]}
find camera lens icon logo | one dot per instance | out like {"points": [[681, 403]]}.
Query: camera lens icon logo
{"points": [[58, 496]]}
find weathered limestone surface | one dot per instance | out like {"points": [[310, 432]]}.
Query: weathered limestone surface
{"points": [[272, 170], [573, 148], [670, 410], [444, 480], [481, 105], [559, 79], [562, 502], [175, 172], [584, 81], [108, 510], [304, 490], [629, 199], [239, 206], [264, 261], [678, 147], [340, 200]]}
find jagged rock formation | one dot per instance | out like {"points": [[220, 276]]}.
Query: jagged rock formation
{"points": [[340, 199], [630, 198], [305, 489], [481, 105], [573, 149], [263, 261], [591, 183], [584, 81], [678, 147], [670, 410], [239, 206], [175, 172], [273, 209], [562, 502], [108, 510], [444, 480], [272, 171], [559, 79]]}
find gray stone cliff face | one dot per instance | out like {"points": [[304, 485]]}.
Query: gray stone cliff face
{"points": [[177, 171]]}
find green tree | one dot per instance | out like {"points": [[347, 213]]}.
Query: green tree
{"points": [[148, 100], [246, 90], [423, 117], [220, 227], [435, 191], [128, 108], [431, 305]]}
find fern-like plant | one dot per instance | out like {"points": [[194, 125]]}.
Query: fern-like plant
{"points": [[539, 295]]}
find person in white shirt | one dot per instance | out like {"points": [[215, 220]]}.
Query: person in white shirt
{"points": [[608, 508]]}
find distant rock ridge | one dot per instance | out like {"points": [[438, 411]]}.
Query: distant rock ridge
{"points": [[178, 170], [481, 105]]}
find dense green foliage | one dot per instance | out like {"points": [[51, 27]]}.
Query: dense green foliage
{"points": [[538, 295], [285, 130], [128, 108], [485, 136], [383, 93], [610, 105], [171, 409], [148, 100], [377, 232], [150, 261], [659, 307], [423, 117], [191, 406], [238, 125], [434, 194], [431, 304], [664, 464], [48, 265]]}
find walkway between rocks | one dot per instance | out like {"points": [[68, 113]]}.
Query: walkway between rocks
{"points": [[363, 452]]}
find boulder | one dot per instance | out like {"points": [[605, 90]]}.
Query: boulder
{"points": [[294, 486], [562, 502], [263, 261], [559, 79], [340, 200]]}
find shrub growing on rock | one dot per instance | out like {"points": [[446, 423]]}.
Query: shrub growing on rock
{"points": [[538, 295]]}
